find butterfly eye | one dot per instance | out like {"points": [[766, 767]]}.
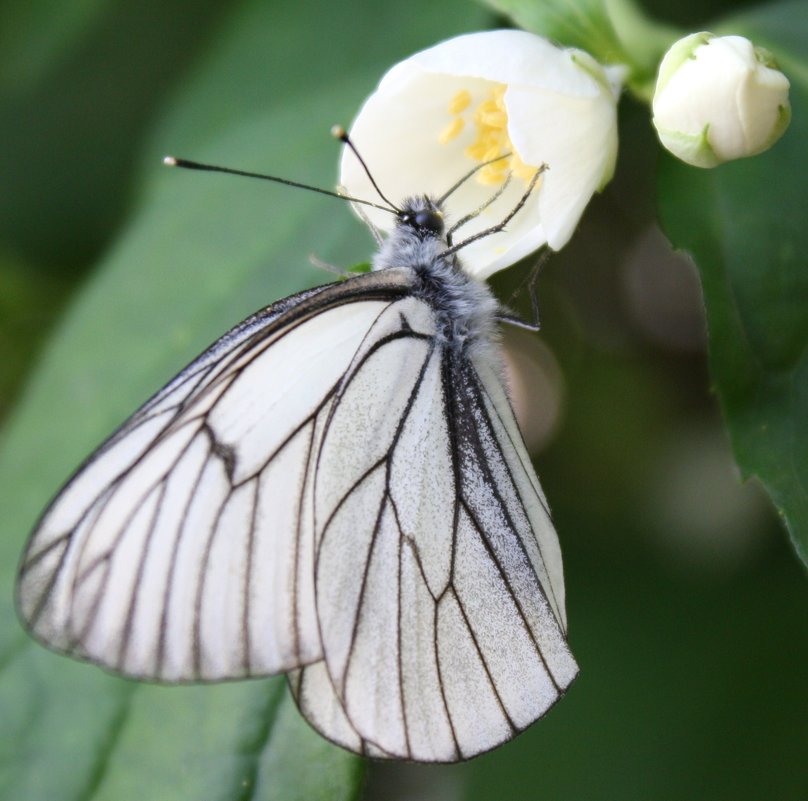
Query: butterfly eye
{"points": [[429, 220]]}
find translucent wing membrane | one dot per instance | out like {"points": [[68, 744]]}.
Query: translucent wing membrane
{"points": [[330, 491]]}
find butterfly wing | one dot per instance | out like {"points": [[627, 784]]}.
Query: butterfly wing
{"points": [[329, 490], [442, 622], [183, 548]]}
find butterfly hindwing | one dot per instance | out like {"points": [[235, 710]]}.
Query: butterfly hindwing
{"points": [[445, 595]]}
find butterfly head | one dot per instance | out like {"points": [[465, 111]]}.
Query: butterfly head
{"points": [[423, 217]]}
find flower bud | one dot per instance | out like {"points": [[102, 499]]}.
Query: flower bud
{"points": [[719, 98], [506, 95]]}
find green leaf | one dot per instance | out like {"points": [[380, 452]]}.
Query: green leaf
{"points": [[33, 37], [199, 253], [744, 223], [26, 297]]}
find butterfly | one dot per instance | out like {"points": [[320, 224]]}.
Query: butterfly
{"points": [[337, 490]]}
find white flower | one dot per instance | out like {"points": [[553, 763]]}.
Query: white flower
{"points": [[440, 112], [719, 98]]}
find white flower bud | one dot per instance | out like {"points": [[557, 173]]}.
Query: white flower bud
{"points": [[473, 98], [719, 98]]}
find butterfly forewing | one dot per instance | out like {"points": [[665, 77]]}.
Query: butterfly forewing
{"points": [[154, 575]]}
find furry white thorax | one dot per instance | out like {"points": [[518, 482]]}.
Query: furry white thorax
{"points": [[465, 307]]}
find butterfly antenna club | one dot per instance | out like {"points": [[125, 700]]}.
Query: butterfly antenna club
{"points": [[338, 132]]}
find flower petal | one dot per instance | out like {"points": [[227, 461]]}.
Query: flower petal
{"points": [[542, 106]]}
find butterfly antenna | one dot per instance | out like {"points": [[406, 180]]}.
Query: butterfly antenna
{"points": [[338, 132], [172, 161]]}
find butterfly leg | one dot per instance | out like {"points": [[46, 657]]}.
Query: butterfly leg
{"points": [[500, 226]]}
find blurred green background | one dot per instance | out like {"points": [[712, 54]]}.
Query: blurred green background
{"points": [[687, 606]]}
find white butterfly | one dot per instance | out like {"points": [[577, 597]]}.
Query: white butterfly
{"points": [[337, 490]]}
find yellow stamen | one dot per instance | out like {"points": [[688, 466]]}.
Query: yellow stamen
{"points": [[488, 176], [476, 152], [490, 118], [522, 170], [452, 130], [460, 102], [492, 153], [494, 119], [492, 136], [485, 107]]}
